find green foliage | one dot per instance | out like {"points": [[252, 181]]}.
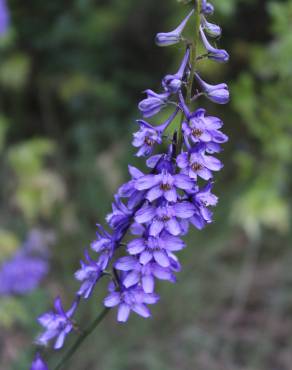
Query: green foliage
{"points": [[262, 97], [38, 190], [8, 244], [11, 311]]}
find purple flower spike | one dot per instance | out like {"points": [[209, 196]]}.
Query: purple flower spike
{"points": [[154, 210], [172, 83], [153, 103], [38, 363], [216, 93], [4, 17], [131, 299], [89, 275], [58, 324], [219, 55], [173, 37]]}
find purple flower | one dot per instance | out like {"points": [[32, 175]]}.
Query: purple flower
{"points": [[25, 270], [146, 274], [216, 93], [201, 128], [202, 199], [165, 217], [146, 138], [198, 164], [58, 324], [153, 103], [119, 219], [172, 83], [89, 275], [105, 246], [38, 363], [4, 17], [148, 135], [155, 248], [130, 299], [22, 274], [219, 55], [129, 191], [173, 37], [163, 185], [161, 162]]}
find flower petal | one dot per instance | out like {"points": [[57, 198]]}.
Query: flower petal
{"points": [[148, 283], [126, 263], [173, 227], [154, 193], [145, 257], [184, 209], [112, 299], [145, 214], [156, 227], [131, 279], [123, 312], [136, 246], [161, 258]]}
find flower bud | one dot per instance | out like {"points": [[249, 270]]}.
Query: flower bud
{"points": [[153, 103], [207, 8], [38, 363], [219, 55], [172, 83], [216, 93], [212, 29], [173, 37]]}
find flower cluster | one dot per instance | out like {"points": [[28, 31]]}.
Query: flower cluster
{"points": [[4, 17], [154, 210], [24, 271]]}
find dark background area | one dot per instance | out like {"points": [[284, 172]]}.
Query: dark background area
{"points": [[71, 75]]}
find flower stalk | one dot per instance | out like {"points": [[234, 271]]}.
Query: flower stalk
{"points": [[82, 337]]}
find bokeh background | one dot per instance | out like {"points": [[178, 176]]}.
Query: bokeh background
{"points": [[71, 75]]}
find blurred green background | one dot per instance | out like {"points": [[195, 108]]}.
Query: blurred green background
{"points": [[71, 75]]}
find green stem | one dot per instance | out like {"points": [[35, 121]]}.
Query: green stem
{"points": [[193, 59], [81, 338]]}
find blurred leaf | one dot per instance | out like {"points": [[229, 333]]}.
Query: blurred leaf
{"points": [[11, 311], [8, 244], [14, 71], [28, 158], [3, 130]]}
